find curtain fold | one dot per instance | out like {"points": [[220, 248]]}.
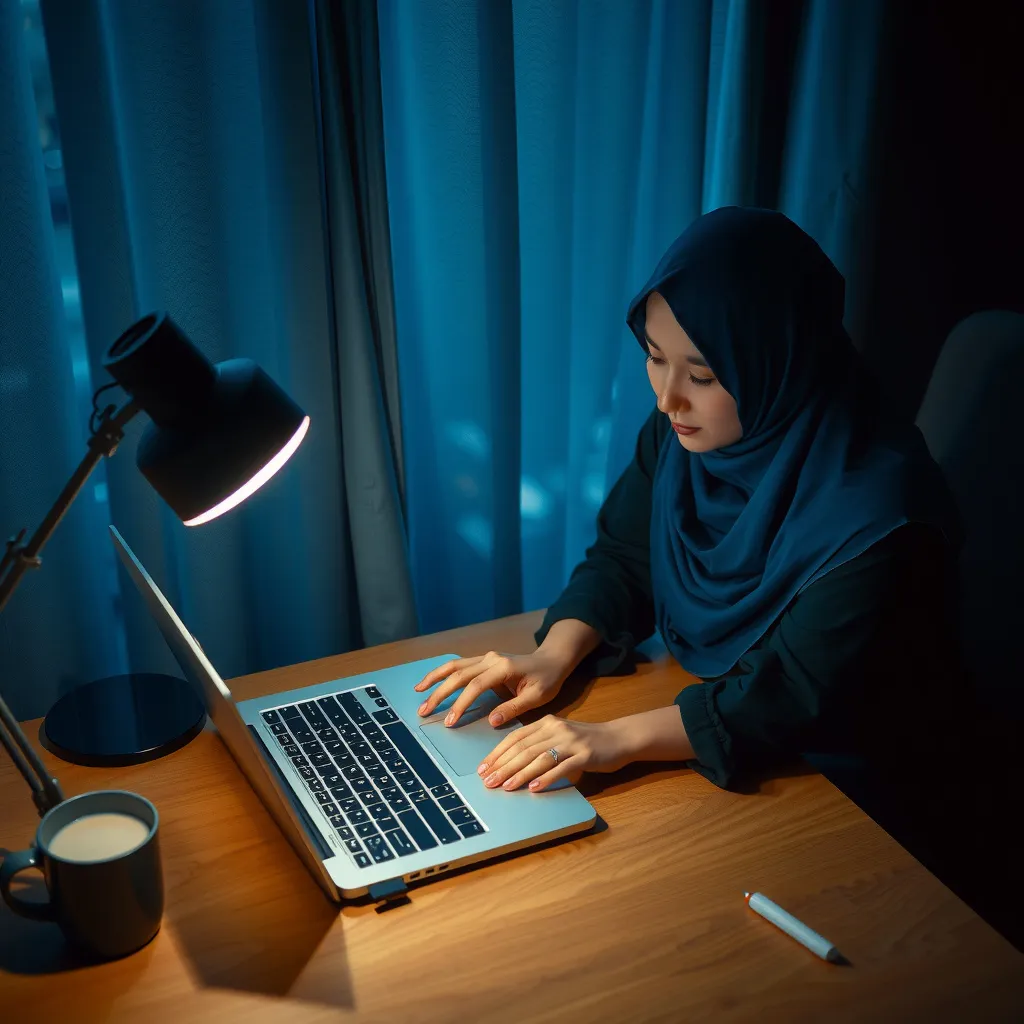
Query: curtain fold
{"points": [[628, 121], [51, 632], [196, 180]]}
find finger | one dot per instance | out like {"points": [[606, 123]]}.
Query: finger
{"points": [[443, 670], [514, 761], [543, 768], [519, 738], [487, 679], [458, 679], [531, 696], [563, 770]]}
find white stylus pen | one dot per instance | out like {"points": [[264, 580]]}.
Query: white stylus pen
{"points": [[793, 927]]}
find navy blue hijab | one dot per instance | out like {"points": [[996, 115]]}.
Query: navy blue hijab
{"points": [[820, 473]]}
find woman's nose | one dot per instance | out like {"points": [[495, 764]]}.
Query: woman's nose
{"points": [[671, 400]]}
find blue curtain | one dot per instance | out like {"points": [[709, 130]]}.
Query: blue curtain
{"points": [[196, 169], [540, 158]]}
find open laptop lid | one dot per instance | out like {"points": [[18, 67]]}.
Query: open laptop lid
{"points": [[221, 707]]}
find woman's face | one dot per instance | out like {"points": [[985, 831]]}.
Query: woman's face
{"points": [[686, 389]]}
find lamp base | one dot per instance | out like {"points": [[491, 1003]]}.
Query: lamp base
{"points": [[123, 720]]}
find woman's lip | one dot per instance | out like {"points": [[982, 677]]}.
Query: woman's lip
{"points": [[679, 428]]}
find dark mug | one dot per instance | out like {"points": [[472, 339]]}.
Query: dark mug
{"points": [[100, 855]]}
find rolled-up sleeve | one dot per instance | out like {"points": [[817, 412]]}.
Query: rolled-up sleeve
{"points": [[611, 589], [838, 666]]}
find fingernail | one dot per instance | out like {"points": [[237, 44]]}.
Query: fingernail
{"points": [[496, 719], [508, 784], [450, 720], [482, 768], [423, 708], [491, 779], [535, 784]]}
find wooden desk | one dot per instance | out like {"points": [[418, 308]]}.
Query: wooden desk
{"points": [[643, 920]]}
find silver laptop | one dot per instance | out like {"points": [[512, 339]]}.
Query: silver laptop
{"points": [[368, 793]]}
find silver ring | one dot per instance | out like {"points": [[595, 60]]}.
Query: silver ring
{"points": [[553, 753]]}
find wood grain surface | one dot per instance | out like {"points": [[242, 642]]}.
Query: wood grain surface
{"points": [[640, 920]]}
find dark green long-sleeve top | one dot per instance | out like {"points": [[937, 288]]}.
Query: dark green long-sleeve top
{"points": [[862, 663]]}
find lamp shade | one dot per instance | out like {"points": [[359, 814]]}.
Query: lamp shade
{"points": [[218, 432]]}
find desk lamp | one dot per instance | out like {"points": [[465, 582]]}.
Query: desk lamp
{"points": [[217, 434]]}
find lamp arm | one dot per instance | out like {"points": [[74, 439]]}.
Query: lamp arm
{"points": [[17, 559], [21, 557]]}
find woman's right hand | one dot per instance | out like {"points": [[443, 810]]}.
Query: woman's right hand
{"points": [[534, 679]]}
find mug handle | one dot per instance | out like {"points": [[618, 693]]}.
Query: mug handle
{"points": [[14, 863]]}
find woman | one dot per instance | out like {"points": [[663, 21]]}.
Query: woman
{"points": [[790, 541]]}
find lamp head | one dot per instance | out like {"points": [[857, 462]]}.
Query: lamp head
{"points": [[218, 432]]}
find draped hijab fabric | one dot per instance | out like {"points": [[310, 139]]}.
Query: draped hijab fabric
{"points": [[821, 472]]}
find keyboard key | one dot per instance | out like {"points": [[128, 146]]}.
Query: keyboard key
{"points": [[336, 748], [327, 735], [312, 747], [362, 861], [270, 717], [371, 731], [381, 702], [278, 728], [299, 760], [419, 796], [378, 811], [362, 785], [329, 809], [353, 772], [385, 716], [443, 790], [327, 705], [473, 828], [372, 691], [386, 824], [314, 785], [408, 782], [382, 780], [350, 702], [353, 845], [341, 791], [330, 781], [380, 744], [348, 806], [344, 761], [361, 747], [290, 750], [357, 816], [344, 832], [461, 816], [373, 797], [309, 707], [387, 753], [379, 850], [399, 803], [322, 798], [396, 764], [420, 833], [284, 741], [401, 842], [326, 768], [289, 712], [370, 763], [449, 803], [338, 823], [306, 772], [366, 830], [302, 733], [417, 757], [438, 823]]}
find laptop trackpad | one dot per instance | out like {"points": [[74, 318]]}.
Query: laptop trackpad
{"points": [[465, 745]]}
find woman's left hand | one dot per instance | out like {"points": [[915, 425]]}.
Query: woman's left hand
{"points": [[524, 756]]}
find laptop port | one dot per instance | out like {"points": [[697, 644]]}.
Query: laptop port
{"points": [[443, 867], [415, 874], [428, 871]]}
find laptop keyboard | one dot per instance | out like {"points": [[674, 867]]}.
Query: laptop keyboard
{"points": [[379, 790]]}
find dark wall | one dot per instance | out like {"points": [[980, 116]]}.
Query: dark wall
{"points": [[950, 185]]}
